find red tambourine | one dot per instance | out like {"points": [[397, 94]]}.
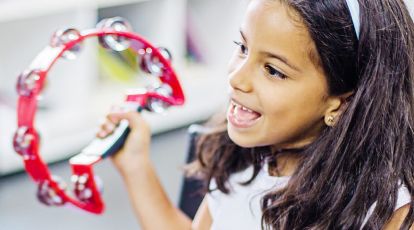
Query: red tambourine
{"points": [[113, 34]]}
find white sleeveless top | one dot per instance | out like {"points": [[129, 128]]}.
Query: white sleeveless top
{"points": [[241, 210]]}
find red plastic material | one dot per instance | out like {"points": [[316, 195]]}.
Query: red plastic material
{"points": [[26, 142]]}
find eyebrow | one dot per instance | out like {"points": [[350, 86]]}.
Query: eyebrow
{"points": [[270, 55]]}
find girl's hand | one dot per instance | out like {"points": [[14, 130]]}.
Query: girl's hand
{"points": [[136, 147]]}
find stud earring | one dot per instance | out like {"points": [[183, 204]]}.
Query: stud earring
{"points": [[331, 119]]}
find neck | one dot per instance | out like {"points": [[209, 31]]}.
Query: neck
{"points": [[286, 164]]}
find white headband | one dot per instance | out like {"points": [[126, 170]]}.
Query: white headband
{"points": [[353, 6]]}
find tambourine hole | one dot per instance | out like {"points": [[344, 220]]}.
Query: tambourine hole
{"points": [[65, 36], [161, 88], [115, 42], [153, 64], [23, 140], [155, 104], [82, 190], [47, 195], [27, 82], [31, 81]]}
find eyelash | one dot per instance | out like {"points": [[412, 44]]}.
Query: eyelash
{"points": [[271, 71], [275, 72], [242, 49]]}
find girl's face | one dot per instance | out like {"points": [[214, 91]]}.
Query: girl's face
{"points": [[274, 77]]}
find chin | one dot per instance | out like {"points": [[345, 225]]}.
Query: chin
{"points": [[242, 140]]}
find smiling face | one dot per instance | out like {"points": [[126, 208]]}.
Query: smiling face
{"points": [[272, 75]]}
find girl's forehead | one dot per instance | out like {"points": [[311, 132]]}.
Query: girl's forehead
{"points": [[272, 26], [276, 11]]}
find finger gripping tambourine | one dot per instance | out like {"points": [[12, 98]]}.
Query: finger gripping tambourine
{"points": [[113, 34]]}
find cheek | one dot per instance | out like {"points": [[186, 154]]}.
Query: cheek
{"points": [[293, 109], [306, 97]]}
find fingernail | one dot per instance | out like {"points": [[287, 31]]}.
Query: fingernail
{"points": [[101, 133], [110, 126]]}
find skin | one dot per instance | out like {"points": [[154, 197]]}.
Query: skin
{"points": [[294, 108]]}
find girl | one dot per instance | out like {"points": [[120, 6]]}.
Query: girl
{"points": [[320, 130]]}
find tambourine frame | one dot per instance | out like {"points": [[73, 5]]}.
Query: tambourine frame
{"points": [[86, 195]]}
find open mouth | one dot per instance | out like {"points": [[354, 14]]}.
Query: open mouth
{"points": [[243, 114]]}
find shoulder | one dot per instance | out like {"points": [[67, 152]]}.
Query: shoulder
{"points": [[401, 210], [398, 218]]}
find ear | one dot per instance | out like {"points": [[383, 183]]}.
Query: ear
{"points": [[336, 106]]}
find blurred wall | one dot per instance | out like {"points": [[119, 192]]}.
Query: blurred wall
{"points": [[77, 97]]}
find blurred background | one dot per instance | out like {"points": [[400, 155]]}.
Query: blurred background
{"points": [[199, 34]]}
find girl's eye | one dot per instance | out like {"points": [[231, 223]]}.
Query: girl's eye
{"points": [[274, 73], [243, 49]]}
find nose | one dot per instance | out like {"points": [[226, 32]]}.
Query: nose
{"points": [[240, 76]]}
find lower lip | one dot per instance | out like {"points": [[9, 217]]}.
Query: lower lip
{"points": [[237, 123]]}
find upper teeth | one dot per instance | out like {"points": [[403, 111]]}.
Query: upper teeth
{"points": [[242, 107]]}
